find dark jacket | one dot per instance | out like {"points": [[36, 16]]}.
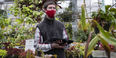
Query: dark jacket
{"points": [[50, 29]]}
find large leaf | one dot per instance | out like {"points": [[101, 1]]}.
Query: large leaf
{"points": [[99, 27], [83, 19], [110, 39], [106, 38], [105, 46], [106, 35], [92, 44]]}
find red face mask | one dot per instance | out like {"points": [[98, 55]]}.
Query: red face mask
{"points": [[50, 13]]}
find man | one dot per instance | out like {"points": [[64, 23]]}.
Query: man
{"points": [[50, 29]]}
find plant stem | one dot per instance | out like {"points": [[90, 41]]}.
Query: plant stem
{"points": [[87, 44]]}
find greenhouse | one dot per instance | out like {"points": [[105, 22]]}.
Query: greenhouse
{"points": [[57, 28]]}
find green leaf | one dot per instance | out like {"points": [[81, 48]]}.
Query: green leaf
{"points": [[35, 13], [105, 35], [9, 26], [83, 20], [7, 21], [105, 43], [99, 27], [26, 8], [110, 39], [3, 26], [105, 46], [28, 20], [92, 44], [19, 21], [31, 6], [3, 52]]}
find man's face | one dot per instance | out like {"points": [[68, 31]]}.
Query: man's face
{"points": [[50, 10], [51, 7]]}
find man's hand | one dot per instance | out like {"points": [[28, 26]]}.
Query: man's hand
{"points": [[55, 45], [61, 43], [58, 41]]}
